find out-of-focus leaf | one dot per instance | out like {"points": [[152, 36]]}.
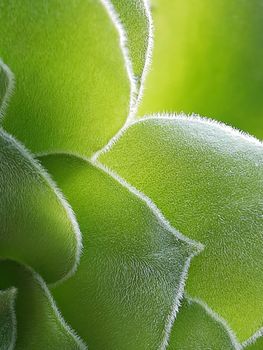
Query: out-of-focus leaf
{"points": [[7, 319], [37, 225], [135, 18], [207, 179], [6, 86], [196, 328], [207, 59], [39, 324], [72, 88], [129, 278]]}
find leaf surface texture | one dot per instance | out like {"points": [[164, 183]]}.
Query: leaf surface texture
{"points": [[37, 226], [196, 328], [39, 324], [207, 179], [130, 273], [72, 88]]}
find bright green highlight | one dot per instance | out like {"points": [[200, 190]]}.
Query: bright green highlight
{"points": [[207, 59]]}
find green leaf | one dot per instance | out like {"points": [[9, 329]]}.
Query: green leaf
{"points": [[6, 87], [38, 227], [207, 179], [39, 323], [125, 291], [207, 59], [135, 18], [254, 344], [71, 77], [197, 328], [7, 319]]}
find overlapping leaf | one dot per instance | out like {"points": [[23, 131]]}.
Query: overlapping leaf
{"points": [[7, 319], [255, 345], [6, 86], [37, 226], [135, 18], [72, 87], [207, 180], [129, 279], [208, 60], [38, 322], [75, 89], [196, 328]]}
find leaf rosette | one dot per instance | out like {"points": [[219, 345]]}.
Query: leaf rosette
{"points": [[117, 232]]}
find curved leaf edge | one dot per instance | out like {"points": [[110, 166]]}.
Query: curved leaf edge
{"points": [[68, 210], [114, 16], [218, 319], [58, 314], [9, 89], [177, 116], [253, 339], [53, 305], [221, 321], [136, 91], [203, 120], [148, 56], [196, 247]]}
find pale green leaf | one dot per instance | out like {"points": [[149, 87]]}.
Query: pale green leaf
{"points": [[38, 227], [6, 87], [207, 179], [7, 319], [207, 59], [72, 87], [39, 323], [125, 291], [197, 328]]}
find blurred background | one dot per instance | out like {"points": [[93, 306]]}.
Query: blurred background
{"points": [[208, 60]]}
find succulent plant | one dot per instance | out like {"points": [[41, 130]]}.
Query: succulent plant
{"points": [[117, 232]]}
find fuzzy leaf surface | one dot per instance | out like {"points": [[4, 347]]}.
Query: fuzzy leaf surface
{"points": [[72, 89], [207, 179], [7, 319], [196, 329], [134, 17], [37, 226], [130, 273], [6, 87], [39, 324], [209, 70], [257, 345]]}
